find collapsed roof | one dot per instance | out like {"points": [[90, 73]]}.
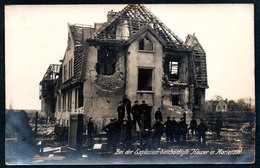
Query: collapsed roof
{"points": [[136, 16]]}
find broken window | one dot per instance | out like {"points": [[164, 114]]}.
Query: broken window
{"points": [[70, 68], [175, 100], [146, 44], [145, 79], [173, 70], [107, 59]]}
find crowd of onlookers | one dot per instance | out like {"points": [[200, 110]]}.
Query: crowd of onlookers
{"points": [[138, 117]]}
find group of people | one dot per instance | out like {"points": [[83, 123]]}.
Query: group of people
{"points": [[129, 117], [139, 114]]}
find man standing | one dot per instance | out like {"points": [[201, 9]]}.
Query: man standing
{"points": [[110, 130], [144, 108], [193, 126], [174, 128], [136, 115], [218, 126], [127, 106], [182, 129], [90, 131], [158, 115], [202, 128], [121, 112], [168, 129], [158, 132]]}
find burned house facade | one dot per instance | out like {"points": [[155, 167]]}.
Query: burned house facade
{"points": [[132, 54]]}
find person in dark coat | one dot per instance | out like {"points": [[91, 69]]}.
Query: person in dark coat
{"points": [[202, 128], [90, 131], [127, 105], [144, 108], [182, 130], [158, 132], [127, 128], [121, 112], [136, 115], [193, 126], [218, 126], [110, 130], [174, 128], [168, 129], [158, 115]]}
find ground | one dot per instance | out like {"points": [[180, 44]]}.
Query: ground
{"points": [[232, 148]]}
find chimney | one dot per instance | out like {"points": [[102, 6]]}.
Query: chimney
{"points": [[110, 15]]}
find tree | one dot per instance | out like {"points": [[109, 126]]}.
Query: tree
{"points": [[232, 105], [246, 103], [217, 98]]}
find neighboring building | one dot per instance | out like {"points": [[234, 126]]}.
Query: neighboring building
{"points": [[216, 106], [132, 54], [47, 90]]}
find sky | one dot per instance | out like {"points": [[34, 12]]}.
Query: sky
{"points": [[36, 36]]}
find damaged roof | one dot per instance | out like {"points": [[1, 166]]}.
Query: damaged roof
{"points": [[199, 59], [80, 33], [137, 16]]}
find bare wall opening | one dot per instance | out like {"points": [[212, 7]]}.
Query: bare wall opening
{"points": [[107, 59], [145, 79]]}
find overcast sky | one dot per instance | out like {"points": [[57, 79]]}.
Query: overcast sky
{"points": [[36, 36]]}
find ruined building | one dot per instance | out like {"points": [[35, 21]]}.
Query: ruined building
{"points": [[133, 53]]}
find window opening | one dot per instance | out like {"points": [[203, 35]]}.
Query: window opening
{"points": [[107, 59], [173, 70], [145, 79], [175, 100], [146, 44]]}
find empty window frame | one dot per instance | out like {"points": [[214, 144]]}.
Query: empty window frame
{"points": [[145, 79], [173, 70], [175, 100], [106, 64], [146, 44]]}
